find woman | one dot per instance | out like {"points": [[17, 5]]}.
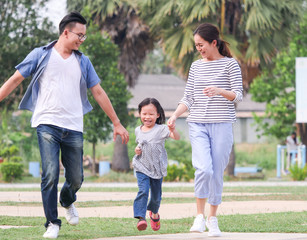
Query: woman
{"points": [[214, 85]]}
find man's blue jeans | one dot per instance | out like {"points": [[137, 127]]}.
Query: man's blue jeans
{"points": [[140, 203], [52, 139]]}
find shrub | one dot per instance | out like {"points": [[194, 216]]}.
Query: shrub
{"points": [[180, 151], [11, 171], [174, 173], [297, 173], [179, 172], [11, 168]]}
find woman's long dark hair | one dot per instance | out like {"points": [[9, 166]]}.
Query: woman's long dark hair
{"points": [[209, 32], [155, 102], [294, 139]]}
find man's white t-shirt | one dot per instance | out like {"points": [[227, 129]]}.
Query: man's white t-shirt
{"points": [[59, 101]]}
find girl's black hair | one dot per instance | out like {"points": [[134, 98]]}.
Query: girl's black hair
{"points": [[209, 32], [155, 102]]}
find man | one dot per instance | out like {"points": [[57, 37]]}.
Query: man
{"points": [[57, 96]]}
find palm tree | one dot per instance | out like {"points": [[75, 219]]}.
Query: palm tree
{"points": [[125, 28], [255, 29]]}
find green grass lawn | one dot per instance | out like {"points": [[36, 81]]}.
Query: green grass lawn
{"points": [[91, 228]]}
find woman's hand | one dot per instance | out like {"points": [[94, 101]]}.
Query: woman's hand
{"points": [[212, 91]]}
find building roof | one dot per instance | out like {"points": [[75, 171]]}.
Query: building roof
{"points": [[168, 90]]}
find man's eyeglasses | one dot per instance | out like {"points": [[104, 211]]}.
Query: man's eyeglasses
{"points": [[80, 36]]}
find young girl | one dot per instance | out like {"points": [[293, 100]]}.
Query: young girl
{"points": [[150, 161]]}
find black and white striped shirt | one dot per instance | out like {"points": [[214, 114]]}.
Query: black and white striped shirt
{"points": [[223, 73]]}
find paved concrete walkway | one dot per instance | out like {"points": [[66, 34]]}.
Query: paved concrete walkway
{"points": [[110, 196], [167, 211], [225, 236]]}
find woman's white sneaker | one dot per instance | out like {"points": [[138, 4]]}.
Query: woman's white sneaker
{"points": [[199, 224], [52, 231], [72, 215], [213, 227]]}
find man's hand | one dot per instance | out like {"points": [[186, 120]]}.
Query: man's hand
{"points": [[122, 132]]}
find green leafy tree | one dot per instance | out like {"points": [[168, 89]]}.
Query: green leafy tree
{"points": [[276, 87], [104, 55], [21, 30]]}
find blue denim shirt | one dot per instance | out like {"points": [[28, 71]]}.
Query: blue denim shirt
{"points": [[34, 65]]}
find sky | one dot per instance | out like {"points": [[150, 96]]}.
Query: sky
{"points": [[55, 10]]}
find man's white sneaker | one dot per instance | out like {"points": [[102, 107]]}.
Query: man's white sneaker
{"points": [[72, 215], [52, 231], [213, 227], [199, 224]]}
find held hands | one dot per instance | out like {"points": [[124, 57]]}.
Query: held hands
{"points": [[212, 91], [172, 128], [171, 123], [122, 132]]}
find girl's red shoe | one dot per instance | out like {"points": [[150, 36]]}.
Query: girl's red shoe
{"points": [[154, 222], [142, 224]]}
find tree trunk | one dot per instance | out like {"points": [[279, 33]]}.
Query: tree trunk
{"points": [[120, 161], [302, 129], [232, 162], [94, 159]]}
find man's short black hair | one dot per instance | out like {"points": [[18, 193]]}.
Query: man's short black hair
{"points": [[71, 19]]}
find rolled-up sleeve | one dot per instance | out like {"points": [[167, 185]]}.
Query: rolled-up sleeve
{"points": [[188, 97], [235, 78]]}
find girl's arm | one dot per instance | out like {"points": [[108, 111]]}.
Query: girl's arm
{"points": [[173, 133]]}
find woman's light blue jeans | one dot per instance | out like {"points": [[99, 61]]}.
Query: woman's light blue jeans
{"points": [[52, 139], [211, 146], [140, 203]]}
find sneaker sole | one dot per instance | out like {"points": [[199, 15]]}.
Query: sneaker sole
{"points": [[142, 227]]}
